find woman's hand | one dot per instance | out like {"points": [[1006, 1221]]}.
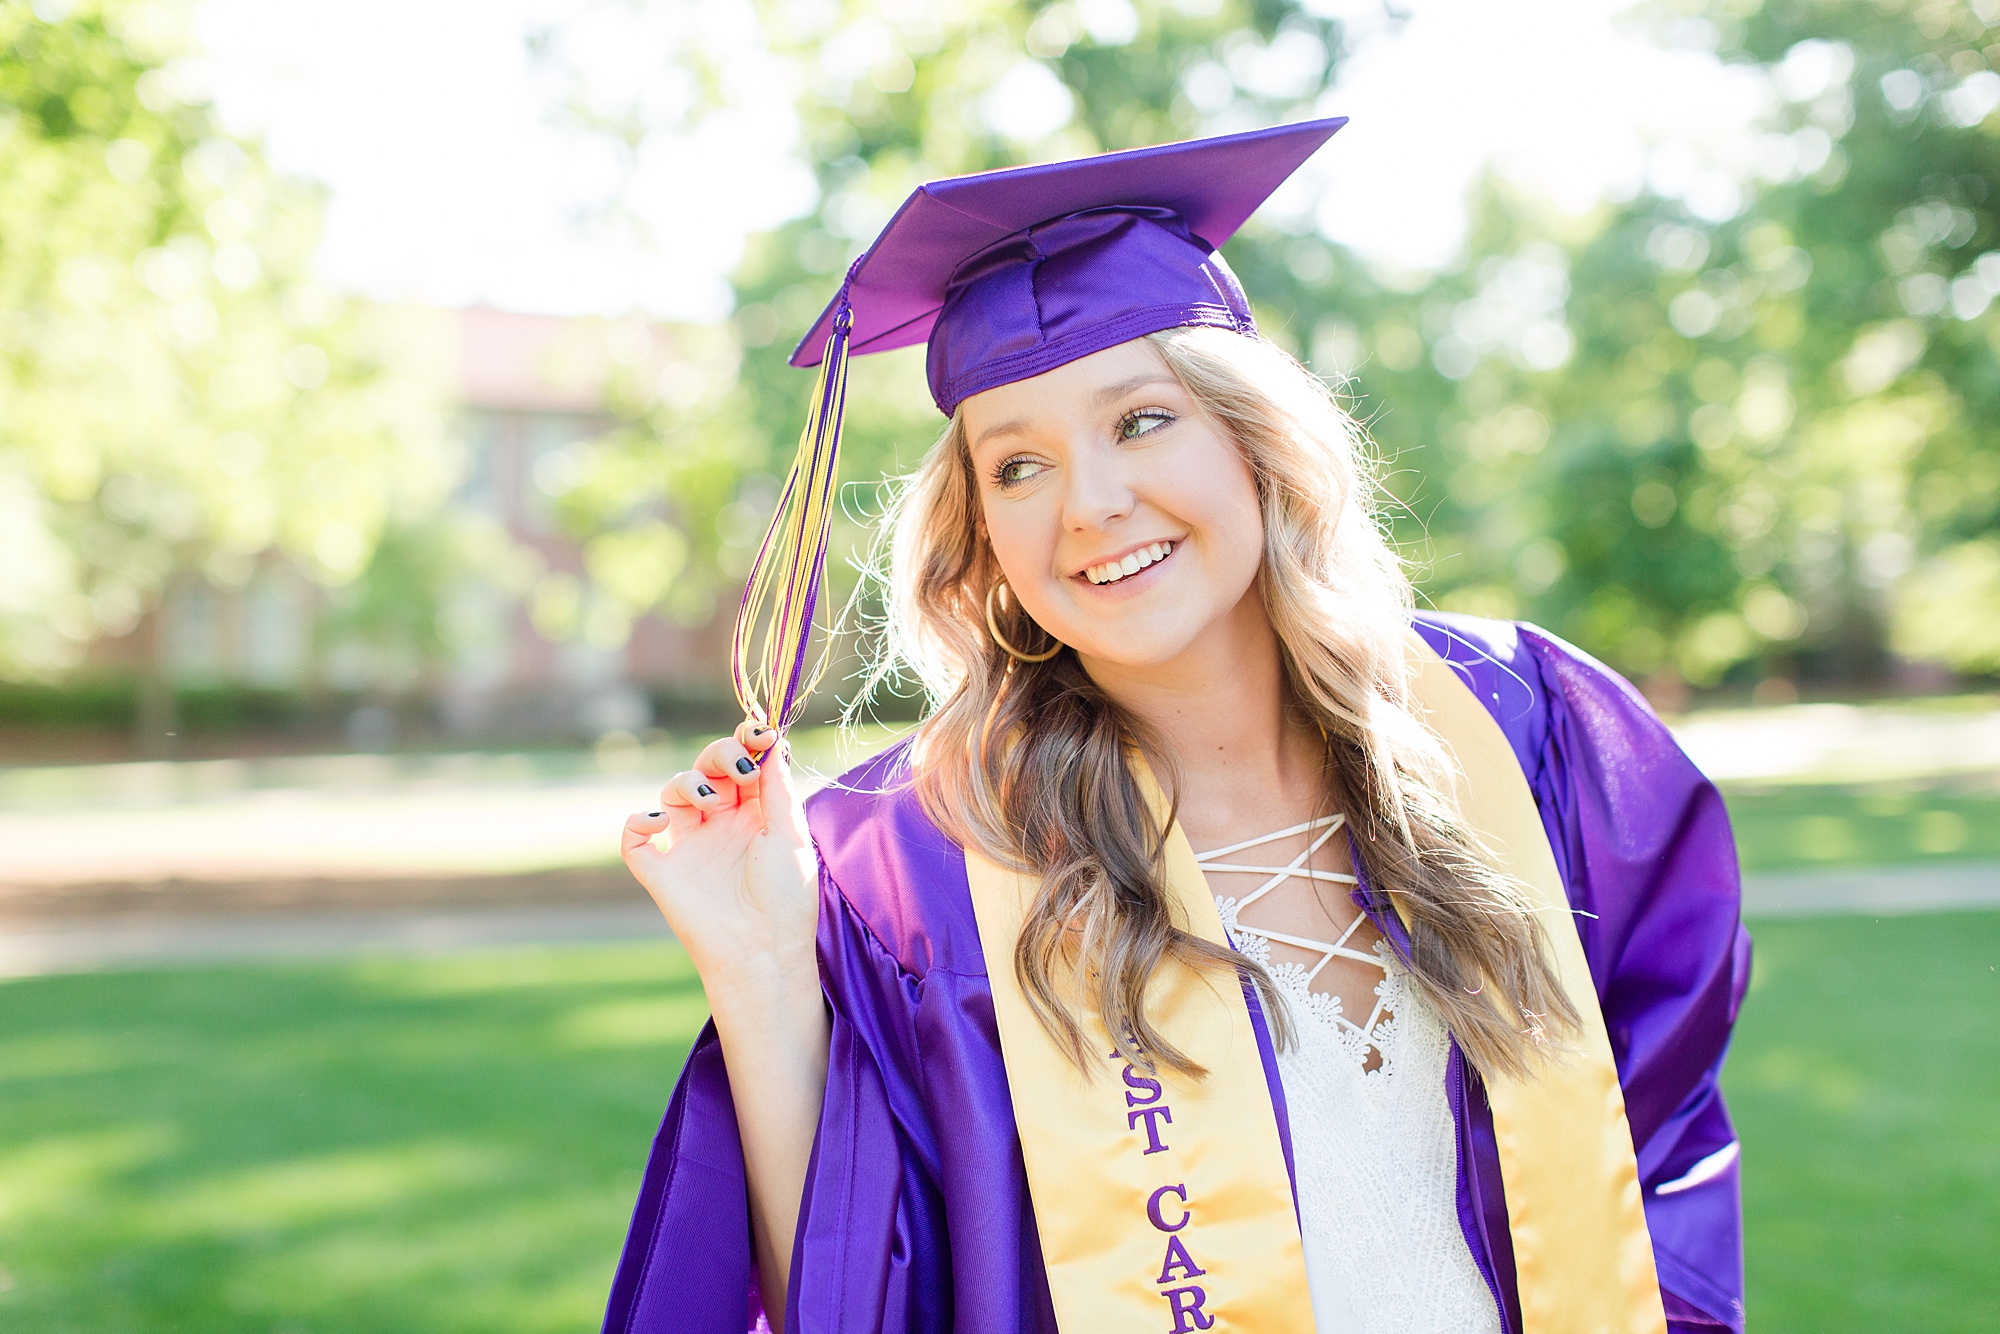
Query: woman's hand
{"points": [[734, 875], [736, 882]]}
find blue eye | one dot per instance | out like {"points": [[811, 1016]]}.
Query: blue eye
{"points": [[1131, 429]]}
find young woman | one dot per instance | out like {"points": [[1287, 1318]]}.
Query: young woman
{"points": [[1230, 948]]}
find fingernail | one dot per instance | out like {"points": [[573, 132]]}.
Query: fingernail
{"points": [[654, 815], [744, 766], [703, 790], [759, 731]]}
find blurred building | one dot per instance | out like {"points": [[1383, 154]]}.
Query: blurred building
{"points": [[524, 390]]}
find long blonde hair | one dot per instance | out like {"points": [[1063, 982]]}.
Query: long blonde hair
{"points": [[1028, 762]]}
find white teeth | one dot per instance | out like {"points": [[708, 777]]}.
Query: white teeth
{"points": [[1112, 571]]}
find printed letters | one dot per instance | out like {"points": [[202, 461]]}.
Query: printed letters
{"points": [[1177, 1258], [1153, 1207], [1145, 1100], [1152, 1116], [1150, 1087], [1184, 1304]]}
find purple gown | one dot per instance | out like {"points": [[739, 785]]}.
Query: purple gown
{"points": [[916, 1215]]}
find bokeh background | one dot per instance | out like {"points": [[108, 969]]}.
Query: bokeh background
{"points": [[392, 394]]}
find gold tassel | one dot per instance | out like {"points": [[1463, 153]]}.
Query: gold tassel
{"points": [[772, 665]]}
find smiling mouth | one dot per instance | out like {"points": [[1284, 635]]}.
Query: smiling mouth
{"points": [[1111, 571]]}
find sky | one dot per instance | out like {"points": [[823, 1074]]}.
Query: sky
{"points": [[453, 179], [1572, 99]]}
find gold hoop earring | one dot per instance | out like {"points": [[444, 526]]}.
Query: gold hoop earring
{"points": [[993, 628]]}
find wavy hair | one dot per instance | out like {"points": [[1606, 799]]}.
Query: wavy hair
{"points": [[1030, 763]]}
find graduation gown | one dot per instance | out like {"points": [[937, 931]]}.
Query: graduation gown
{"points": [[916, 1214]]}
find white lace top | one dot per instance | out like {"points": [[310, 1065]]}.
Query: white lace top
{"points": [[1373, 1148]]}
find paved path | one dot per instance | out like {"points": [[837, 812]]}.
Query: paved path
{"points": [[92, 944], [347, 817], [1852, 743], [1884, 891], [97, 944], [363, 817], [151, 864]]}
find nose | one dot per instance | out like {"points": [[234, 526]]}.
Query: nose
{"points": [[1100, 490]]}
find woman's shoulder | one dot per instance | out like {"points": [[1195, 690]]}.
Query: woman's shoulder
{"points": [[1527, 677], [1522, 659], [1499, 665], [899, 876]]}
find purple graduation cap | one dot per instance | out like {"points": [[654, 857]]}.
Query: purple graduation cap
{"points": [[1007, 274]]}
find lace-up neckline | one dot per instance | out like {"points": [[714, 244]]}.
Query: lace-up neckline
{"points": [[1323, 829], [1372, 1138]]}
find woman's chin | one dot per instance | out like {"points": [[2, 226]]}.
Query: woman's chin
{"points": [[1138, 651], [1159, 633]]}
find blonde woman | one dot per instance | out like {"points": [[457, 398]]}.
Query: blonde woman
{"points": [[1230, 947]]}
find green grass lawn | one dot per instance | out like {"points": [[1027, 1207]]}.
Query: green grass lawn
{"points": [[411, 1145], [1833, 824], [1863, 1080], [453, 1145]]}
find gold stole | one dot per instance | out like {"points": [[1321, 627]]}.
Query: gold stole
{"points": [[1164, 1203]]}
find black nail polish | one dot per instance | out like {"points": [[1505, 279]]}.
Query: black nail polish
{"points": [[703, 790], [743, 766], [654, 815], [759, 731]]}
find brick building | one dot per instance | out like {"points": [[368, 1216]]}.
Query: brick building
{"points": [[524, 389]]}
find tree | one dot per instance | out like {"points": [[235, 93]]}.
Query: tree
{"points": [[1731, 434], [179, 398], [1763, 437]]}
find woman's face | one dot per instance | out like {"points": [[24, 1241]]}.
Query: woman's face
{"points": [[1124, 518]]}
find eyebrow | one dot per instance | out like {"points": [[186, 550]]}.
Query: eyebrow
{"points": [[1104, 397], [1015, 427], [1111, 393]]}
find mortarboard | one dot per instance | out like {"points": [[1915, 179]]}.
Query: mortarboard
{"points": [[1006, 274]]}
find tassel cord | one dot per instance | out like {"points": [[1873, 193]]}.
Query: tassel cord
{"points": [[771, 665]]}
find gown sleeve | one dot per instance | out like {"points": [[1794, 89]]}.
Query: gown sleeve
{"points": [[687, 1265], [1647, 854], [871, 1226]]}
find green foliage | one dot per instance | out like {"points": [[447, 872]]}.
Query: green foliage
{"points": [[1835, 383], [1693, 446], [178, 397], [1951, 610], [657, 502], [422, 596], [1774, 439], [114, 703], [1751, 438], [77, 703], [1710, 440]]}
